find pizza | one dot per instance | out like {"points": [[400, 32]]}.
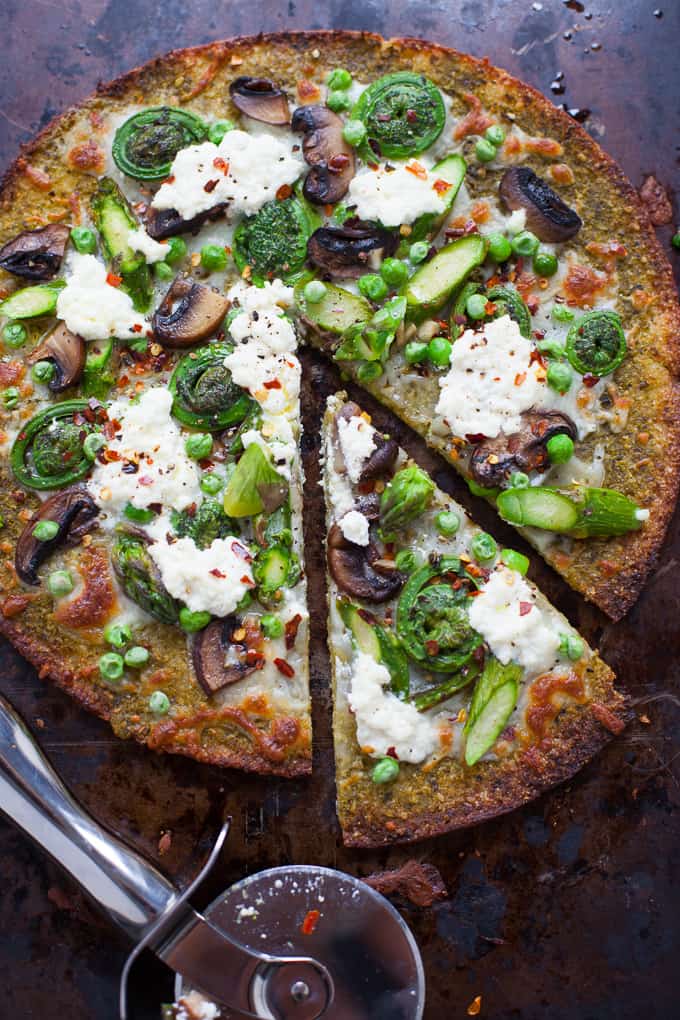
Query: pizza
{"points": [[461, 249]]}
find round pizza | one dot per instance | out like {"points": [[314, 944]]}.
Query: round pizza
{"points": [[457, 246]]}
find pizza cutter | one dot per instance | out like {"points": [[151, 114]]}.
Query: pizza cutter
{"points": [[293, 943]]}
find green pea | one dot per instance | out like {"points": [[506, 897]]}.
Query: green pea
{"points": [[199, 445], [314, 291], [193, 621], [211, 483], [560, 449], [159, 703], [219, 129], [447, 522], [111, 666], [500, 248], [439, 351], [136, 656], [415, 351], [354, 132], [525, 243], [42, 372], [485, 151], [14, 334], [138, 514], [394, 272], [405, 561], [10, 397], [117, 634], [45, 531], [213, 257], [545, 263], [373, 287], [339, 78], [572, 646], [675, 240], [163, 271], [84, 240], [177, 249], [519, 480], [338, 101], [515, 560], [418, 252], [369, 370], [475, 306], [552, 348], [386, 771], [271, 626], [60, 582], [92, 443], [495, 134], [562, 314], [483, 547], [559, 376]]}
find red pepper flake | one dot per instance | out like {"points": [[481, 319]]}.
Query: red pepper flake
{"points": [[145, 480], [170, 179], [432, 647], [272, 384], [310, 922], [284, 667], [441, 186], [536, 357], [519, 378], [137, 328], [590, 380], [337, 163], [216, 572], [210, 186], [221, 164], [113, 280], [291, 630], [241, 551], [246, 580], [417, 169], [525, 607], [284, 192]]}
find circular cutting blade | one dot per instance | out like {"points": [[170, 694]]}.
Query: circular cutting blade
{"points": [[302, 910]]}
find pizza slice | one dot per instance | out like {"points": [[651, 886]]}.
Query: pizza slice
{"points": [[459, 691]]}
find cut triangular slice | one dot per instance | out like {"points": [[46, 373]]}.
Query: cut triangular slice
{"points": [[459, 691]]}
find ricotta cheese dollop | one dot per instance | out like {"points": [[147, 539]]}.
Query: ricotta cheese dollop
{"points": [[491, 381], [506, 615], [357, 443], [354, 526], [210, 580], [153, 251], [244, 170], [396, 196], [91, 307], [384, 721], [149, 439]]}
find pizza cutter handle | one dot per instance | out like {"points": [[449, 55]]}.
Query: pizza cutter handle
{"points": [[131, 891]]}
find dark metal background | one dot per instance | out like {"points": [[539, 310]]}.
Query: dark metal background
{"points": [[567, 909]]}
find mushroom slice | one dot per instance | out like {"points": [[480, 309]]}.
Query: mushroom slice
{"points": [[163, 223], [352, 569], [550, 218], [331, 158], [381, 460], [36, 254], [66, 351], [73, 510], [218, 659], [189, 312], [345, 252], [260, 99], [493, 460]]}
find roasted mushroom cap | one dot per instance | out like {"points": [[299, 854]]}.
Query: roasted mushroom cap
{"points": [[331, 158], [352, 566], [36, 254], [66, 351], [493, 460], [260, 99], [345, 252], [218, 659], [162, 223], [547, 215], [189, 312], [381, 461], [73, 510]]}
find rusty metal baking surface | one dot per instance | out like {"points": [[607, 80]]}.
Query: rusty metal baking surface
{"points": [[568, 908]]}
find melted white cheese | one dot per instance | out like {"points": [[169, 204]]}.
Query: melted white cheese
{"points": [[357, 443], [354, 526], [506, 615], [244, 170], [490, 382], [262, 315], [91, 307], [153, 251], [148, 437], [395, 196], [210, 580], [384, 721]]}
